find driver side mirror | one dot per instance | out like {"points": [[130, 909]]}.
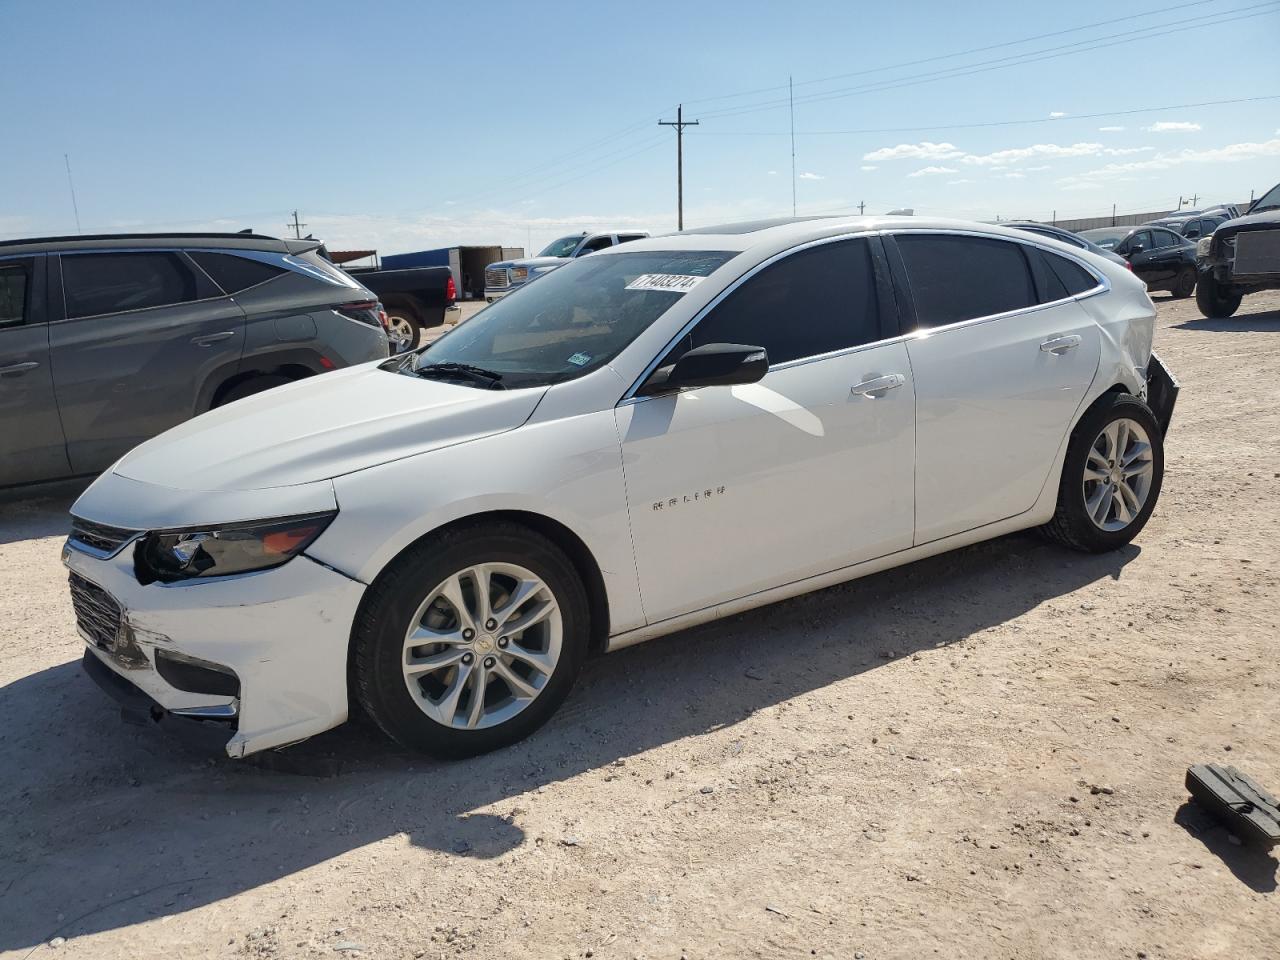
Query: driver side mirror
{"points": [[1136, 249], [711, 365]]}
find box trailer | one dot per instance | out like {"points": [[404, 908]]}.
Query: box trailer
{"points": [[467, 264]]}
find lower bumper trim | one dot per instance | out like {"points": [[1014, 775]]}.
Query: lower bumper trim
{"points": [[208, 737]]}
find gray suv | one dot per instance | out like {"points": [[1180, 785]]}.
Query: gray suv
{"points": [[106, 341]]}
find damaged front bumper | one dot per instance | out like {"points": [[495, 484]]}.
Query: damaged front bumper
{"points": [[1162, 392], [246, 663]]}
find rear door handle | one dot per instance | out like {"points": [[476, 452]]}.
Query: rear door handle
{"points": [[878, 386], [1060, 345], [210, 339], [18, 369]]}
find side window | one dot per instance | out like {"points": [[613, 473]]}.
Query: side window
{"points": [[1075, 278], [233, 273], [1164, 238], [98, 283], [599, 243], [812, 302], [1141, 238], [955, 278], [13, 294], [628, 237], [1192, 229], [1048, 284]]}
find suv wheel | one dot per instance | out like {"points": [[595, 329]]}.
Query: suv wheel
{"points": [[247, 388], [1111, 477], [1216, 300], [471, 640]]}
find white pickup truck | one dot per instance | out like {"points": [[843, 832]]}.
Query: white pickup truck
{"points": [[508, 275]]}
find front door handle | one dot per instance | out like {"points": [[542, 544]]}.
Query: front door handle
{"points": [[18, 369], [878, 386], [1060, 345], [210, 339]]}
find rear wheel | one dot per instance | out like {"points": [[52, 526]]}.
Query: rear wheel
{"points": [[1216, 300], [1111, 477], [247, 388], [471, 640], [1185, 283], [404, 328]]}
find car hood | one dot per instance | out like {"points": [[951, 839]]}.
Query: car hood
{"points": [[532, 262], [1267, 220], [323, 427]]}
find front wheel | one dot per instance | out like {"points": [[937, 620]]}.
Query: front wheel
{"points": [[470, 641], [1185, 283], [1111, 477], [1216, 300]]}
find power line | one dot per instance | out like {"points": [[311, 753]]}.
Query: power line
{"points": [[962, 53], [680, 123], [1000, 63], [987, 123]]}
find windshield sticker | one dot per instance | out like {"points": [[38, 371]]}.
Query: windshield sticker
{"points": [[674, 282], [580, 359]]}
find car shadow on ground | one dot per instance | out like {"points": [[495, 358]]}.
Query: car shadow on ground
{"points": [[1265, 322], [103, 826], [35, 518], [1253, 867]]}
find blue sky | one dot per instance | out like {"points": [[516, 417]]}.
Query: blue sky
{"points": [[405, 125]]}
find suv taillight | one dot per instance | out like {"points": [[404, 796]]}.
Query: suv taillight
{"points": [[450, 289], [365, 311]]}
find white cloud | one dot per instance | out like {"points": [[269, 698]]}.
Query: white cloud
{"points": [[1014, 175], [932, 171], [914, 151], [1231, 153], [1110, 129], [1173, 126], [811, 176], [1043, 166], [867, 169], [953, 183], [1014, 154], [1056, 114], [773, 173]]}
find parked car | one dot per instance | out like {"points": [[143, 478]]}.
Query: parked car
{"points": [[1160, 258], [106, 341], [508, 275], [1066, 236], [1242, 256], [661, 434], [1190, 226], [414, 298]]}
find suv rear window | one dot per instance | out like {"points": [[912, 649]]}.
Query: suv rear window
{"points": [[955, 278], [233, 273], [98, 283]]}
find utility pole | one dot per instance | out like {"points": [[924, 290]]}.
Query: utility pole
{"points": [[679, 123], [862, 206], [297, 227], [792, 97]]}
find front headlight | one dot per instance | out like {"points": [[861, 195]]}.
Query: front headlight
{"points": [[218, 551], [519, 273], [1204, 245]]}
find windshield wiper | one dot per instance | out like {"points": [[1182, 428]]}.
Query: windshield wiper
{"points": [[464, 371]]}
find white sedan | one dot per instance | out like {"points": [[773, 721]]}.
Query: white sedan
{"points": [[655, 436]]}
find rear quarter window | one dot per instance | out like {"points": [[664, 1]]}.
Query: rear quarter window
{"points": [[234, 273]]}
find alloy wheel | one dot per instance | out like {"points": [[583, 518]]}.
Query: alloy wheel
{"points": [[400, 333], [1117, 475], [482, 646]]}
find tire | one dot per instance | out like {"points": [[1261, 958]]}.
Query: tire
{"points": [[1184, 284], [1216, 301], [404, 327], [247, 388], [1074, 524], [412, 709]]}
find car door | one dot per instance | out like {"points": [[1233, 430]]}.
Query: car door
{"points": [[733, 490], [1167, 256], [32, 447], [1140, 251], [140, 333], [1002, 355]]}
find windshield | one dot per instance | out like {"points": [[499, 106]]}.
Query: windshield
{"points": [[1106, 239], [573, 320], [1268, 201], [563, 247]]}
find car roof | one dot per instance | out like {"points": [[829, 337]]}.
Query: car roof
{"points": [[785, 232], [149, 241]]}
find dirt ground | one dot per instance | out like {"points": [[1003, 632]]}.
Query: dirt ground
{"points": [[904, 766]]}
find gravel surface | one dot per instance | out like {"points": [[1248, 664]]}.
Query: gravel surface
{"points": [[979, 755]]}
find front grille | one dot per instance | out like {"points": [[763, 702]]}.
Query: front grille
{"points": [[1257, 252], [97, 613], [98, 537], [496, 278]]}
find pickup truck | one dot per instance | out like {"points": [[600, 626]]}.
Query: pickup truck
{"points": [[508, 275], [1241, 256], [413, 298]]}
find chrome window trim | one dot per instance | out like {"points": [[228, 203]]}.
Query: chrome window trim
{"points": [[1103, 286]]}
